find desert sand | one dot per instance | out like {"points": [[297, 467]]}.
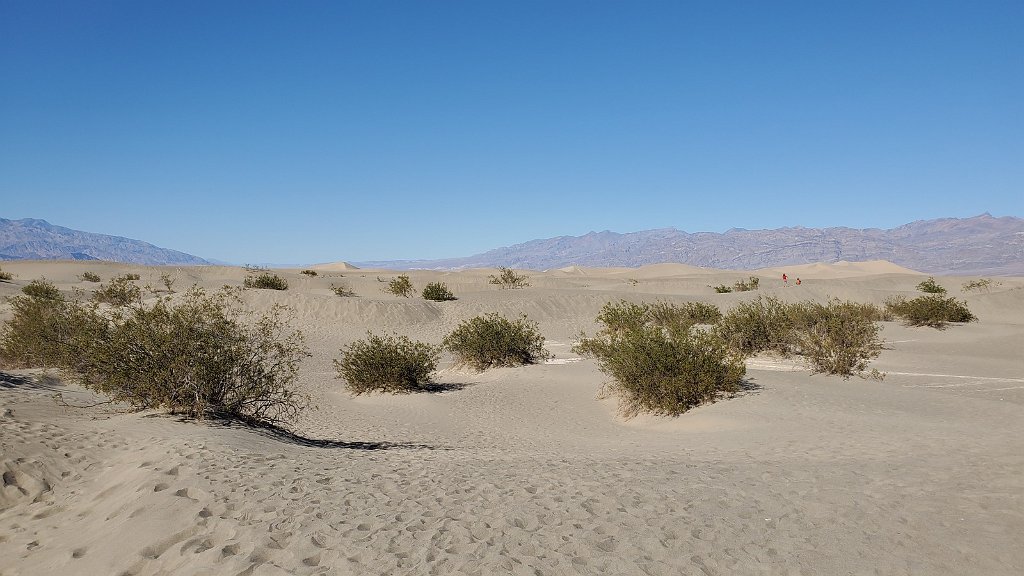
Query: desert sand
{"points": [[525, 470]]}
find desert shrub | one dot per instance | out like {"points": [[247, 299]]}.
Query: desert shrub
{"points": [[199, 356], [5, 276], [929, 286], [438, 292], [702, 312], [493, 340], [837, 337], [400, 286], [760, 325], [623, 315], [747, 285], [722, 289], [663, 370], [168, 281], [88, 276], [508, 279], [932, 310], [386, 363], [266, 281], [978, 285], [309, 272], [342, 290], [42, 289], [118, 292], [45, 330], [132, 276]]}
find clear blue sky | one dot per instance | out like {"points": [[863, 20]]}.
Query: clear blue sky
{"points": [[295, 131]]}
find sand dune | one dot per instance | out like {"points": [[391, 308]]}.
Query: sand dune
{"points": [[524, 470]]}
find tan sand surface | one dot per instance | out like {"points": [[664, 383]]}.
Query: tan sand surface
{"points": [[525, 470]]}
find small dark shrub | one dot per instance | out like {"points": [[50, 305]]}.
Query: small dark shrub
{"points": [[493, 340], [266, 281], [5, 276], [932, 310], [387, 364], [132, 276], [747, 285], [508, 279], [42, 289], [929, 286], [88, 276], [309, 272], [623, 315], [118, 292], [438, 292], [760, 325], [168, 281], [837, 337], [980, 284], [342, 290], [722, 289], [400, 286], [662, 370]]}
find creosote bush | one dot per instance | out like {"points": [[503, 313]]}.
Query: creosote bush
{"points": [[401, 286], [980, 284], [760, 325], [387, 363], [929, 286], [658, 362], [722, 289], [168, 281], [838, 337], [508, 279], [266, 281], [42, 289], [119, 291], [309, 272], [89, 276], [198, 356], [747, 285], [493, 340], [932, 310], [438, 292], [342, 290], [5, 276]]}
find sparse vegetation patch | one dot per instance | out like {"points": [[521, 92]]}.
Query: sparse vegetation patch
{"points": [[309, 272], [120, 291], [400, 286], [89, 276], [508, 279], [493, 340], [932, 310], [266, 281], [979, 285], [929, 286], [437, 292], [386, 363]]}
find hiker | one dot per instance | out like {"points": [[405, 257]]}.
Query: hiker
{"points": [[785, 279], [797, 281]]}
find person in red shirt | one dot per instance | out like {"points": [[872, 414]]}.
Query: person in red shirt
{"points": [[785, 279]]}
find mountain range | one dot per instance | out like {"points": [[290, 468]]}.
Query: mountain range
{"points": [[982, 244], [32, 239], [979, 245]]}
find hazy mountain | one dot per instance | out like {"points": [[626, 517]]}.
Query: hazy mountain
{"points": [[979, 245], [39, 240]]}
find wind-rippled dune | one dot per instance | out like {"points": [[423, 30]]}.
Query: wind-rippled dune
{"points": [[525, 470]]}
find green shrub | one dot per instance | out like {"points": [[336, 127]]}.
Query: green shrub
{"points": [[764, 324], [838, 337], [342, 290], [722, 289], [508, 279], [400, 286], [118, 292], [132, 276], [931, 310], [5, 276], [980, 284], [42, 289], [387, 364], [930, 287], [168, 281], [438, 292], [623, 315], [662, 370], [702, 312], [200, 356], [493, 340], [747, 285], [266, 281], [88, 276], [309, 272]]}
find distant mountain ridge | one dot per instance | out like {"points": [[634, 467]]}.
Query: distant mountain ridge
{"points": [[979, 245], [32, 239]]}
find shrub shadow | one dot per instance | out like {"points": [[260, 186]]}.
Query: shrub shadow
{"points": [[288, 437], [43, 382]]}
